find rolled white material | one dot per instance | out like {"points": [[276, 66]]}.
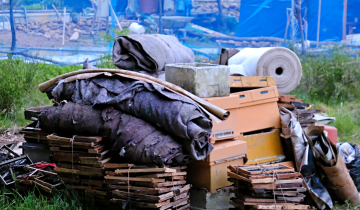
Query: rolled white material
{"points": [[135, 28], [278, 62]]}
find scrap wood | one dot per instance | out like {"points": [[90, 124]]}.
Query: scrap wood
{"points": [[144, 197], [163, 175], [151, 180], [145, 170]]}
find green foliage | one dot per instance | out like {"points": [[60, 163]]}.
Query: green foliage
{"points": [[333, 78], [34, 7], [109, 38], [18, 88], [35, 200]]}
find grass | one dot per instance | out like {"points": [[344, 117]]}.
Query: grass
{"points": [[19, 82], [35, 200]]}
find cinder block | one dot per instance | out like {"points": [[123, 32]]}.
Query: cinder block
{"points": [[201, 79], [202, 199]]}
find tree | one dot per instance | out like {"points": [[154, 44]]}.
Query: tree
{"points": [[13, 33]]}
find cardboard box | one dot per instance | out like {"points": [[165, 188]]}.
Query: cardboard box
{"points": [[211, 173], [249, 111], [264, 147]]}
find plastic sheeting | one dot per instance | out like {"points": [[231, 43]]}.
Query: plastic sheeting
{"points": [[305, 160], [351, 156], [268, 18], [170, 112], [138, 141]]}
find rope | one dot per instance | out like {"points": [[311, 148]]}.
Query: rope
{"points": [[128, 182]]}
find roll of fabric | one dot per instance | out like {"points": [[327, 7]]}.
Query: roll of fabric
{"points": [[278, 62]]}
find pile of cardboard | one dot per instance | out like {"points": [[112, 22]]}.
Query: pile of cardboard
{"points": [[273, 186]]}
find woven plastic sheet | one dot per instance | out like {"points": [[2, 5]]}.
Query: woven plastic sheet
{"points": [[168, 111], [135, 139]]}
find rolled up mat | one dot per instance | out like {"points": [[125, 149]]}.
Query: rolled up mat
{"points": [[135, 139], [149, 52], [278, 62]]}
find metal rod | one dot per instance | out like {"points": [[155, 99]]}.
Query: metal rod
{"points": [[112, 9], [344, 21], [63, 40]]}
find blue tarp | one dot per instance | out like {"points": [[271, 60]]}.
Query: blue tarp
{"points": [[268, 18]]}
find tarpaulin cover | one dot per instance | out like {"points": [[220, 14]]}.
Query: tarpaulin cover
{"points": [[168, 111], [149, 52], [268, 18], [135, 139], [351, 155]]}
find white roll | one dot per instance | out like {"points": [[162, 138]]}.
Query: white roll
{"points": [[278, 62]]}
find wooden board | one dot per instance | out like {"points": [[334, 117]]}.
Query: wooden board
{"points": [[145, 170], [135, 179]]}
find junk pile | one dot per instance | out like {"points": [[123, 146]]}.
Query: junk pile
{"points": [[20, 171], [231, 9], [273, 186], [55, 29], [317, 159]]}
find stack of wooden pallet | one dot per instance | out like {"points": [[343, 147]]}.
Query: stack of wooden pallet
{"points": [[273, 186], [85, 164], [80, 162], [146, 187], [33, 134]]}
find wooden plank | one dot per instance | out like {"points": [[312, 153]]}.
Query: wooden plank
{"points": [[66, 170], [183, 189], [90, 139], [32, 168], [295, 206], [145, 170], [115, 166], [290, 199], [182, 196], [96, 192], [146, 190], [163, 175], [142, 204], [236, 176], [153, 198], [278, 206], [286, 193], [187, 206], [46, 189], [151, 180], [289, 181]]}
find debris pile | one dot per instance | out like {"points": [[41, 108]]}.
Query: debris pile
{"points": [[273, 186], [55, 29], [231, 9]]}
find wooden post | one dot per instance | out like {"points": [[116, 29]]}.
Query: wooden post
{"points": [[99, 18], [94, 19], [160, 16], [318, 26], [298, 12], [344, 21], [60, 17], [13, 33], [26, 20], [63, 41], [112, 10]]}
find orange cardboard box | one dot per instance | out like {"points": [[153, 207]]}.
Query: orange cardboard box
{"points": [[264, 147], [211, 173], [249, 111]]}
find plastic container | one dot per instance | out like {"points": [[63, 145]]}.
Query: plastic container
{"points": [[331, 131], [250, 110]]}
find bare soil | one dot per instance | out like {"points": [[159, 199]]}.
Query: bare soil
{"points": [[24, 39]]}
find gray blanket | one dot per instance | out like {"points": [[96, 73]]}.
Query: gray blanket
{"points": [[169, 112], [149, 52]]}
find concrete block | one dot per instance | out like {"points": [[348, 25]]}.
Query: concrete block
{"points": [[200, 79], [201, 199]]}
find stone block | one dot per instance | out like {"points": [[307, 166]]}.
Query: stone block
{"points": [[202, 199], [201, 79]]}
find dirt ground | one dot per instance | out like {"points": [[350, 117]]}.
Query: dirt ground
{"points": [[30, 40]]}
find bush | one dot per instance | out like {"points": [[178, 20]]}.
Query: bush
{"points": [[330, 78], [19, 82]]}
